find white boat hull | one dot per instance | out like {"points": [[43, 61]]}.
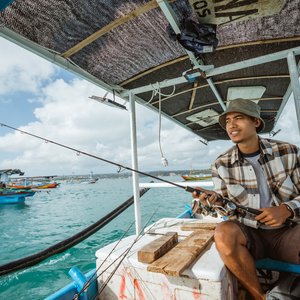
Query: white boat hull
{"points": [[207, 278]]}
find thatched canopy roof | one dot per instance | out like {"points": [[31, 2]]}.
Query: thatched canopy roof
{"points": [[127, 44]]}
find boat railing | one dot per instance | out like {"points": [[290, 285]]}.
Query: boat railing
{"points": [[206, 184]]}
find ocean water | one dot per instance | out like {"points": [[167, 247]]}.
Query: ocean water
{"points": [[50, 217]]}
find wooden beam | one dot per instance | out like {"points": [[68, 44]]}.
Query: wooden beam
{"points": [[193, 94], [157, 248], [175, 261], [217, 103], [197, 226], [222, 82], [138, 11]]}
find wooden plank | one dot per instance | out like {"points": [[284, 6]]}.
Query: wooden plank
{"points": [[197, 226], [181, 256], [194, 91], [133, 14], [157, 248]]}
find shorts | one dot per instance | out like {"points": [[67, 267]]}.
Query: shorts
{"points": [[282, 243]]}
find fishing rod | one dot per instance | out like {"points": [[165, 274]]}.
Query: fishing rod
{"points": [[138, 237], [187, 188], [198, 190], [94, 277]]}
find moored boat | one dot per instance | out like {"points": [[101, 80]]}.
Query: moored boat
{"points": [[193, 177], [18, 187], [8, 196], [51, 185]]}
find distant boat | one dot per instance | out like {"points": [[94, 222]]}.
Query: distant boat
{"points": [[51, 185], [8, 196], [35, 186], [196, 177], [89, 180]]}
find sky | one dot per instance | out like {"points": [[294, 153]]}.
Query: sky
{"points": [[38, 97]]}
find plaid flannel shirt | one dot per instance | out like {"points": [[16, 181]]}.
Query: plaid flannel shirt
{"points": [[234, 177]]}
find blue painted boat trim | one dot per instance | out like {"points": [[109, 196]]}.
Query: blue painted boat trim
{"points": [[5, 3], [276, 265], [68, 292], [186, 214], [17, 197]]}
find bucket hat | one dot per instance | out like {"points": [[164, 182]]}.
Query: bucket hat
{"points": [[244, 106]]}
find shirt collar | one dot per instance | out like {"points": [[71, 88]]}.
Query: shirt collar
{"points": [[265, 146], [235, 155]]}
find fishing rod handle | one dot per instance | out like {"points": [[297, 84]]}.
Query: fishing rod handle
{"points": [[198, 190], [256, 212], [251, 210]]}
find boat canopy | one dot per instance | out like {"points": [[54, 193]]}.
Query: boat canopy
{"points": [[132, 47]]}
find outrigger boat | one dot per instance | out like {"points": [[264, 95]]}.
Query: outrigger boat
{"points": [[34, 183], [40, 186], [195, 177], [185, 60], [9, 196]]}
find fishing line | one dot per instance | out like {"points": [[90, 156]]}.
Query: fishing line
{"points": [[125, 254], [198, 190], [95, 277], [78, 152]]}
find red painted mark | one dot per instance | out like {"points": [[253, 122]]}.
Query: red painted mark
{"points": [[122, 288], [139, 289], [197, 295], [166, 291]]}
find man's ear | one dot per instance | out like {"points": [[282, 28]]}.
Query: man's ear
{"points": [[257, 122]]}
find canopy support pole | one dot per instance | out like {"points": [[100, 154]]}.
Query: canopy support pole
{"points": [[294, 74], [171, 17], [135, 176]]}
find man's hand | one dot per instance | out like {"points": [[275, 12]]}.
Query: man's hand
{"points": [[273, 216], [206, 199]]}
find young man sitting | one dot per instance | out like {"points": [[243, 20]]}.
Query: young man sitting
{"points": [[263, 174]]}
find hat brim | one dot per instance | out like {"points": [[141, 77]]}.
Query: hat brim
{"points": [[222, 118]]}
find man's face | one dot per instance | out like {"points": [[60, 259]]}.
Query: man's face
{"points": [[240, 127]]}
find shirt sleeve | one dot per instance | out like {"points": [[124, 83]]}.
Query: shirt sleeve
{"points": [[219, 184], [294, 204]]}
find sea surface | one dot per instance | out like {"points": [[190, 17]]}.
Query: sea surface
{"points": [[50, 217]]}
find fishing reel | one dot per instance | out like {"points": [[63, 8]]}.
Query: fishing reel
{"points": [[208, 209]]}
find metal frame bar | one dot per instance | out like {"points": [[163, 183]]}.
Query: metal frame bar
{"points": [[172, 18], [134, 159], [285, 100], [217, 71], [294, 74]]}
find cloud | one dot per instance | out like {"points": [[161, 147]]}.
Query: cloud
{"points": [[21, 70], [67, 116]]}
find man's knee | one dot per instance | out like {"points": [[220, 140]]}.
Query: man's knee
{"points": [[226, 230], [228, 235]]}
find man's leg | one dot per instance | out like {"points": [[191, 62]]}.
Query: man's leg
{"points": [[231, 244], [285, 245]]}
